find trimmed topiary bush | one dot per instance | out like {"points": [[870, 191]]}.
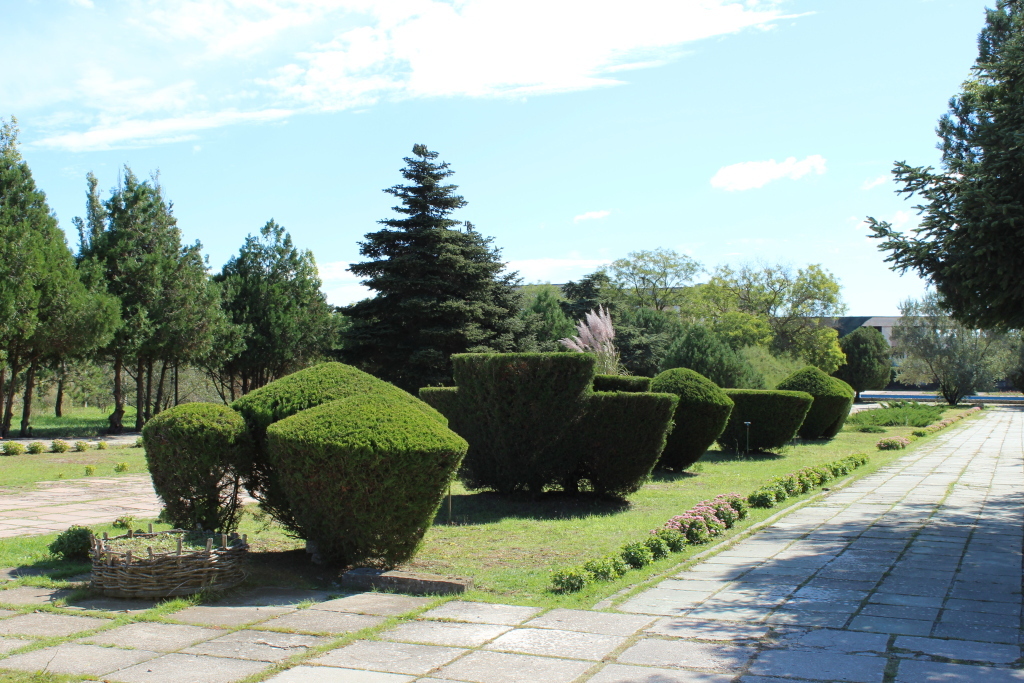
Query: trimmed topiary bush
{"points": [[621, 383], [833, 399], [190, 450], [291, 394], [364, 475], [700, 417], [74, 543], [615, 444], [774, 417], [513, 408]]}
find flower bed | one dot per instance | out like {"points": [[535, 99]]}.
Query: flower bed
{"points": [[699, 524], [166, 563]]}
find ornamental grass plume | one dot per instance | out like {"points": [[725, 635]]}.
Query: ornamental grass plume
{"points": [[596, 336]]}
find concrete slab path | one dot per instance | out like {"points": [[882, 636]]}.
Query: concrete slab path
{"points": [[910, 575]]}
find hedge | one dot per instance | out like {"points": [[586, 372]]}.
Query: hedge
{"points": [[774, 417], [615, 444], [833, 399], [802, 481], [364, 475], [190, 451], [513, 408], [700, 416], [291, 394], [621, 383]]}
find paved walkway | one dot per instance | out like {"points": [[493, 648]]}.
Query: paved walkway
{"points": [[913, 574], [56, 505]]}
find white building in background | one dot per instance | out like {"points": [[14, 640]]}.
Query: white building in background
{"points": [[847, 324]]}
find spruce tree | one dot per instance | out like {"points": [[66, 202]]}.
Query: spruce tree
{"points": [[439, 290]]}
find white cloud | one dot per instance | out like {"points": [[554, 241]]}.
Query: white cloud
{"points": [[187, 61], [872, 184], [555, 270], [749, 175], [590, 216]]}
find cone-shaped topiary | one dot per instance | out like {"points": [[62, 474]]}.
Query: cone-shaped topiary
{"points": [[832, 401], [296, 392], [364, 475], [700, 417], [774, 417], [191, 450]]}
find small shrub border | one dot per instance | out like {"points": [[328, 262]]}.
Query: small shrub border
{"points": [[895, 443], [699, 525]]}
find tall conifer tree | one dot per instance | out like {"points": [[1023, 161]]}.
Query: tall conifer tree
{"points": [[439, 290]]}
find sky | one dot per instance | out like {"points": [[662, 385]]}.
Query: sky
{"points": [[579, 130]]}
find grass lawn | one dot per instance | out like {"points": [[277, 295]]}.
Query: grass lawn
{"points": [[24, 470], [509, 546], [76, 423]]}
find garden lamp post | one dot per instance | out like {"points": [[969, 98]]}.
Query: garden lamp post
{"points": [[747, 452]]}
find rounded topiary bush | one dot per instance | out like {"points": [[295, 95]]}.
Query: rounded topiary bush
{"points": [[364, 476], [616, 443], [621, 383], [190, 451], [294, 393], [774, 417], [833, 399], [700, 417]]}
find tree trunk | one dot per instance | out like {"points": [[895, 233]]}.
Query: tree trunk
{"points": [[58, 406], [116, 426], [3, 387], [158, 404], [26, 404], [140, 395], [5, 427], [175, 384], [150, 408]]}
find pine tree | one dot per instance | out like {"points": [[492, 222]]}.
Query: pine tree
{"points": [[439, 290], [970, 242]]}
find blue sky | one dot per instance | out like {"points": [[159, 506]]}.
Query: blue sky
{"points": [[579, 130]]}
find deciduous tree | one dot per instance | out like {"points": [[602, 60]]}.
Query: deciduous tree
{"points": [[868, 360]]}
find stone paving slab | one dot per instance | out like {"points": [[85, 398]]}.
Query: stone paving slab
{"points": [[399, 658], [227, 616], [499, 667], [828, 666], [11, 644], [590, 622], [153, 636], [179, 668], [323, 674], [322, 621], [45, 624], [75, 658], [941, 672], [684, 653], [380, 604], [257, 645], [481, 613], [617, 673], [273, 596], [445, 633], [555, 643], [31, 595]]}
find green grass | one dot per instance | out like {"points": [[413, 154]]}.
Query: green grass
{"points": [[38, 677], [26, 469], [76, 423], [900, 414], [509, 546]]}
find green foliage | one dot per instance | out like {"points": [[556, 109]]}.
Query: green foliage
{"points": [[936, 348], [570, 580], [191, 450], [606, 568], [444, 400], [590, 293], [658, 547], [59, 446], [833, 399], [868, 360], [802, 481], [971, 235], [122, 467], [774, 417], [701, 351], [875, 429], [124, 522], [899, 414], [280, 320], [73, 543], [13, 448], [700, 416], [653, 279], [551, 322], [893, 443], [774, 367], [81, 446], [513, 409], [439, 291], [740, 329], [90, 470], [675, 540], [101, 445], [637, 555], [643, 335], [621, 383], [294, 393], [616, 443], [36, 447], [364, 475]]}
